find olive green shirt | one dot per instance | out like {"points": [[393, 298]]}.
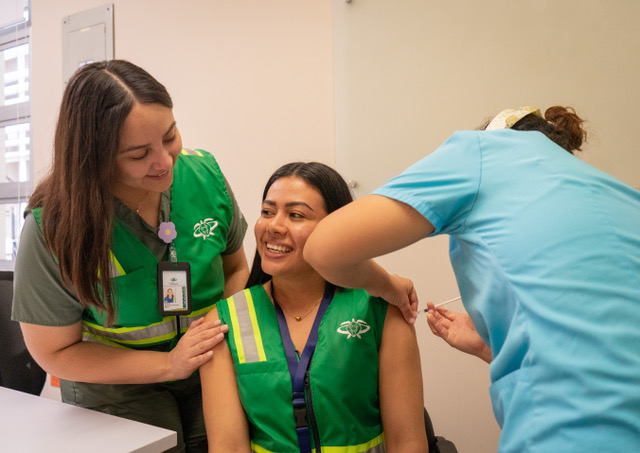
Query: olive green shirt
{"points": [[39, 295]]}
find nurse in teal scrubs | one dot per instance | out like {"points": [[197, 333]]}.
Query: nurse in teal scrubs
{"points": [[546, 253]]}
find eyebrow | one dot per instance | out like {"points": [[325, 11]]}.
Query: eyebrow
{"points": [[290, 204], [135, 147]]}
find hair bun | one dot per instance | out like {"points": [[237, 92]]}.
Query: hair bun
{"points": [[568, 126]]}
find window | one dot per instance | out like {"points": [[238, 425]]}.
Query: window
{"points": [[15, 123]]}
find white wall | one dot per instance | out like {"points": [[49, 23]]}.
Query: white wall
{"points": [[251, 81]]}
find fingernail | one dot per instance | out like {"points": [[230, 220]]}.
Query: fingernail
{"points": [[217, 322]]}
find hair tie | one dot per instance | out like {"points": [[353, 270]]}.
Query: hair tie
{"points": [[507, 118]]}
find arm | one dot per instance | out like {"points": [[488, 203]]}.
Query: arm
{"points": [[458, 331], [225, 420], [236, 272], [343, 244], [51, 316], [401, 398], [61, 352]]}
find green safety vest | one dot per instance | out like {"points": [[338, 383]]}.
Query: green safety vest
{"points": [[201, 211], [343, 372]]}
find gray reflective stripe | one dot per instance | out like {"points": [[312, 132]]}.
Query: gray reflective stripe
{"points": [[380, 448], [190, 319], [159, 332], [246, 331], [113, 270], [133, 334], [190, 152]]}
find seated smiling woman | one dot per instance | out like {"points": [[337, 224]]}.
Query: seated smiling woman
{"points": [[308, 365]]}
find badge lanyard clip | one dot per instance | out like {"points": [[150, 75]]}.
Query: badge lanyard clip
{"points": [[299, 369], [174, 280]]}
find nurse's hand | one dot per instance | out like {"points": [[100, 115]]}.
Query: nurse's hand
{"points": [[458, 331], [194, 348]]}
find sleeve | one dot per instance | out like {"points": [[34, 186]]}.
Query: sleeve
{"points": [[443, 185], [238, 225], [39, 295]]}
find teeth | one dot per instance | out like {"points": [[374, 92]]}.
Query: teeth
{"points": [[278, 248]]}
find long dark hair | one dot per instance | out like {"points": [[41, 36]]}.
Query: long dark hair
{"points": [[77, 214], [332, 187]]}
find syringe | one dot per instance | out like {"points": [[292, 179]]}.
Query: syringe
{"points": [[442, 303]]}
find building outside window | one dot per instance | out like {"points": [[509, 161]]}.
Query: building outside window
{"points": [[15, 123]]}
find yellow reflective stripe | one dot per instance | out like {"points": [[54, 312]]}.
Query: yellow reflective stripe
{"points": [[155, 333], [255, 448], [191, 152], [246, 328], [236, 328], [116, 266], [375, 445], [256, 328], [151, 334]]}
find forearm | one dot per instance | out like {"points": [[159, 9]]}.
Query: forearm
{"points": [[61, 352], [102, 364], [485, 353], [365, 274], [343, 244]]}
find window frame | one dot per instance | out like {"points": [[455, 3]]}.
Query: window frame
{"points": [[17, 192]]}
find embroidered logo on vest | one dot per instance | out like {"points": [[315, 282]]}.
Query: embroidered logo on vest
{"points": [[353, 328], [204, 228]]}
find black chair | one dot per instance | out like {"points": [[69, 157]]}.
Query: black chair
{"points": [[437, 444], [18, 370]]}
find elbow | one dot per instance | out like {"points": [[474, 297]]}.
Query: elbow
{"points": [[316, 255]]}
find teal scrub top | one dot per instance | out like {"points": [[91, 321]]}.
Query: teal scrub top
{"points": [[546, 253]]}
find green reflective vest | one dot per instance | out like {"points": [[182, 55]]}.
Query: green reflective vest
{"points": [[343, 373], [201, 211]]}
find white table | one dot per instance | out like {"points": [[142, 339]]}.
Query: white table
{"points": [[31, 424]]}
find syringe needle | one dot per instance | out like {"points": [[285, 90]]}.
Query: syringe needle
{"points": [[443, 303]]}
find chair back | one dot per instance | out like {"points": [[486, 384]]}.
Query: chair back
{"points": [[18, 370], [437, 444]]}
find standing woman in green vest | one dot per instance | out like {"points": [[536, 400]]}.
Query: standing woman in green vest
{"points": [[124, 206], [307, 365]]}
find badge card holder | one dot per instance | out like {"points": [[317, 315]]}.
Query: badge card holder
{"points": [[174, 279], [174, 288]]}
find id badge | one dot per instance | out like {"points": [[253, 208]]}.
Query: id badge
{"points": [[174, 288]]}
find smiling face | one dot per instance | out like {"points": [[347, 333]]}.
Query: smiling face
{"points": [[148, 147], [290, 212]]}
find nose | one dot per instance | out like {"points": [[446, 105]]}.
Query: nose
{"points": [[276, 225], [164, 157]]}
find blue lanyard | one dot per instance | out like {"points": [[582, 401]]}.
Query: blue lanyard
{"points": [[298, 369]]}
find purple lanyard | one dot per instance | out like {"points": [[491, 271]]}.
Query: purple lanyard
{"points": [[298, 369]]}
